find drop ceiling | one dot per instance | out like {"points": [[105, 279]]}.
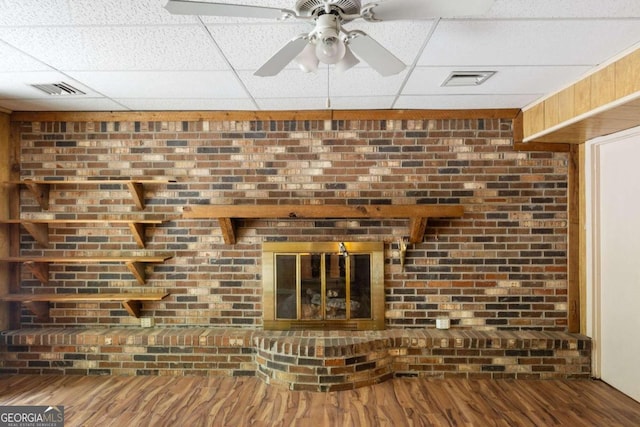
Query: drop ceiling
{"points": [[130, 55]]}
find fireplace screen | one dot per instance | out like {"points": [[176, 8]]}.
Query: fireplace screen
{"points": [[323, 285]]}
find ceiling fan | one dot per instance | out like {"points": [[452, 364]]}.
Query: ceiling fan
{"points": [[328, 42]]}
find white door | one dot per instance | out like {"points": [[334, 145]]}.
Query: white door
{"points": [[617, 255]]}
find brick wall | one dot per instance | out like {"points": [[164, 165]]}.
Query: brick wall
{"points": [[502, 266]]}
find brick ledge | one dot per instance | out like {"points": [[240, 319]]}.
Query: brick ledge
{"points": [[299, 360], [238, 337]]}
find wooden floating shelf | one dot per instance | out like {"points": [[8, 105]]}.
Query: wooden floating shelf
{"points": [[39, 266], [39, 228], [39, 303], [41, 188], [418, 215]]}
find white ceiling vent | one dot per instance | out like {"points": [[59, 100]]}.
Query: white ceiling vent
{"points": [[467, 78], [58, 89]]}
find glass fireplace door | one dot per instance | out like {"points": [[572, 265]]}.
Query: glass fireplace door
{"points": [[327, 289]]}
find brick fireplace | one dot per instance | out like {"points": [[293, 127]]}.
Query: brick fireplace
{"points": [[500, 269]]}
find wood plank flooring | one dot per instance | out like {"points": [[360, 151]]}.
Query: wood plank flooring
{"points": [[246, 401]]}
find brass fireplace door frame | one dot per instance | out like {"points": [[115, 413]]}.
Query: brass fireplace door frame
{"points": [[374, 249]]}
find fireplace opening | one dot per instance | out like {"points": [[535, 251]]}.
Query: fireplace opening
{"points": [[323, 285]]}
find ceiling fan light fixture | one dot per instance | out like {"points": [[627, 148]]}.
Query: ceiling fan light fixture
{"points": [[330, 49], [307, 60]]}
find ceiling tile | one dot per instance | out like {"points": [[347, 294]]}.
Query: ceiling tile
{"points": [[293, 83], [14, 60], [86, 12], [186, 104], [360, 81], [529, 42], [61, 104], [457, 102], [163, 84], [118, 48], [362, 102], [34, 12], [404, 39], [320, 103], [564, 9], [507, 80], [247, 47], [288, 84], [292, 103]]}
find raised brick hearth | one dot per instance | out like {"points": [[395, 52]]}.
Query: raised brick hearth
{"points": [[317, 361]]}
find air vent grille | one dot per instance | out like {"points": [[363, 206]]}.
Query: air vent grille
{"points": [[467, 78], [58, 89]]}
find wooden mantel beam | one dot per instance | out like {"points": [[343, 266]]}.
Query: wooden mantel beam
{"points": [[321, 211], [417, 214]]}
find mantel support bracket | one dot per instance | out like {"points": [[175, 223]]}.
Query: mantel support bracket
{"points": [[228, 230]]}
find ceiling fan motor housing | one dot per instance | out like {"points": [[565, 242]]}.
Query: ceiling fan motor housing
{"points": [[315, 7]]}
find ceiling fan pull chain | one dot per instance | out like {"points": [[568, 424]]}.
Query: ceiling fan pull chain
{"points": [[328, 89]]}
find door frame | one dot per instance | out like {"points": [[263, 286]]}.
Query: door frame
{"points": [[593, 226]]}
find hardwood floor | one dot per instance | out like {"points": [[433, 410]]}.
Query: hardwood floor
{"points": [[244, 401]]}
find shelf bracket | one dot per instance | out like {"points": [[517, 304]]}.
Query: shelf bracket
{"points": [[228, 230], [39, 231], [40, 270], [138, 230], [137, 268], [417, 227], [40, 192], [133, 307], [39, 308], [137, 192]]}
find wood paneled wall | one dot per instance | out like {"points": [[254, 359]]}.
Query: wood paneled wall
{"points": [[602, 103]]}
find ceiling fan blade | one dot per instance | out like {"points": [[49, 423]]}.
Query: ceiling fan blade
{"points": [[182, 7], [374, 54], [285, 55], [424, 9]]}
